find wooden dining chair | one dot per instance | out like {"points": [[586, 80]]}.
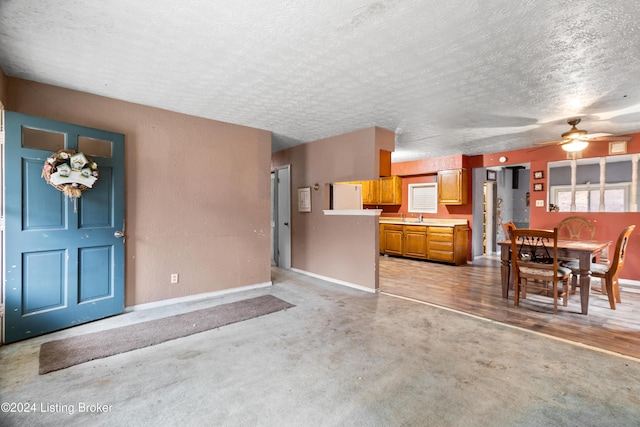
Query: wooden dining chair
{"points": [[507, 227], [534, 260], [576, 228], [609, 272]]}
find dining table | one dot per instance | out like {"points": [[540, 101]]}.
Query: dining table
{"points": [[582, 250]]}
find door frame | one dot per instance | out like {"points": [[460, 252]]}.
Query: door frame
{"points": [[281, 216], [2, 226]]}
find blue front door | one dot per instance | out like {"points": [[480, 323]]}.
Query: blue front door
{"points": [[64, 257]]}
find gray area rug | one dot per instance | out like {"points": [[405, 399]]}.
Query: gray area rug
{"points": [[60, 354]]}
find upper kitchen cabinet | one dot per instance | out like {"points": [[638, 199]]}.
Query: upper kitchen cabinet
{"points": [[385, 163], [370, 192], [390, 190], [452, 187]]}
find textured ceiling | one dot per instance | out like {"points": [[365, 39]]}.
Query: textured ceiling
{"points": [[448, 77]]}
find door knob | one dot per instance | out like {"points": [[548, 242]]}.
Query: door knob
{"points": [[119, 234], [286, 223]]}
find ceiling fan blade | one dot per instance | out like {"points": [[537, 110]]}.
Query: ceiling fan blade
{"points": [[556, 142], [575, 135], [607, 138]]}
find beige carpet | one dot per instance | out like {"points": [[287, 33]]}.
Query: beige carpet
{"points": [[60, 354]]}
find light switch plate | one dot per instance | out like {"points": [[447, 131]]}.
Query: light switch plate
{"points": [[539, 203]]}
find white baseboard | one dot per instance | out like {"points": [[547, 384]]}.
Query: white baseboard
{"points": [[195, 297], [629, 285], [337, 281]]}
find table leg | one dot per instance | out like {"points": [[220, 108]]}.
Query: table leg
{"points": [[504, 271], [585, 282]]}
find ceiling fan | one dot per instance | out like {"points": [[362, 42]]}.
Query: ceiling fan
{"points": [[575, 140]]}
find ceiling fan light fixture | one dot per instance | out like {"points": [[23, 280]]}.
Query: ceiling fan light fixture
{"points": [[575, 146], [574, 132]]}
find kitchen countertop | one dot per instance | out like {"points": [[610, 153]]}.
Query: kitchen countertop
{"points": [[441, 222]]}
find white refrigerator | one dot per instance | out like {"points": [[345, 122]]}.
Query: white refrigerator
{"points": [[346, 196]]}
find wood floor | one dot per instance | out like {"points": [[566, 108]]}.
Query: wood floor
{"points": [[475, 289]]}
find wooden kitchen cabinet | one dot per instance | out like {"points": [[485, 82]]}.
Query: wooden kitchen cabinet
{"points": [[369, 192], [390, 190], [453, 187], [415, 241], [383, 191], [447, 244], [385, 163], [393, 238]]}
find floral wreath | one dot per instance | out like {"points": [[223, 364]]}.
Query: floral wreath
{"points": [[70, 172]]}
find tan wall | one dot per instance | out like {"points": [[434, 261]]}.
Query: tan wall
{"points": [[344, 248], [197, 192]]}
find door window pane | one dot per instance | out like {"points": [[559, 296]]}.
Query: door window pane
{"points": [[42, 139], [95, 147]]}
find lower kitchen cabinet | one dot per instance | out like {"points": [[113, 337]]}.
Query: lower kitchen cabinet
{"points": [[393, 237], [415, 241], [447, 243], [441, 246]]}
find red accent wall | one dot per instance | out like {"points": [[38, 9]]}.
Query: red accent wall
{"points": [[608, 224], [425, 170]]}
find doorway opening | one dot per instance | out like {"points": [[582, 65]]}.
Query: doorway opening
{"points": [[497, 201], [281, 217]]}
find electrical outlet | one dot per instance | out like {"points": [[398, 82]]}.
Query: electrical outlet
{"points": [[174, 278], [539, 203]]}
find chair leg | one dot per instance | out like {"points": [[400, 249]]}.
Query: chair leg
{"points": [[546, 289], [574, 283], [516, 292], [616, 289], [566, 291], [603, 286], [609, 286], [555, 297]]}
